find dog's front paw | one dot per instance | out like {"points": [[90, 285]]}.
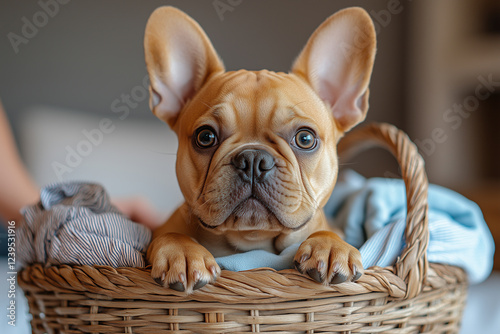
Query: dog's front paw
{"points": [[326, 258], [181, 263]]}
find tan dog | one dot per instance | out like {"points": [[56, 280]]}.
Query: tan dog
{"points": [[257, 158]]}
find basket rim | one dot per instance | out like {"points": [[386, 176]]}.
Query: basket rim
{"points": [[261, 285]]}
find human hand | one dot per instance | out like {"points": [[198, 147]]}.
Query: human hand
{"points": [[139, 210]]}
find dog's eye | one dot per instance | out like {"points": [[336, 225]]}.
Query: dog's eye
{"points": [[305, 139], [206, 137]]}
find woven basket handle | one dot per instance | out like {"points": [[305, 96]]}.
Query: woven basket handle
{"points": [[412, 265]]}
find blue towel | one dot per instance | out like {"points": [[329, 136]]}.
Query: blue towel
{"points": [[372, 214], [75, 223]]}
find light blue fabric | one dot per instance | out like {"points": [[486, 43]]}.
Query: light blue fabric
{"points": [[372, 214]]}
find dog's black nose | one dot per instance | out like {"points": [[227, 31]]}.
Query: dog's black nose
{"points": [[253, 165]]}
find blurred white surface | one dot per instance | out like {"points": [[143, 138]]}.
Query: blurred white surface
{"points": [[134, 157], [482, 312]]}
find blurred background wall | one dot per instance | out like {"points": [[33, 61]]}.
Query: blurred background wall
{"points": [[67, 65]]}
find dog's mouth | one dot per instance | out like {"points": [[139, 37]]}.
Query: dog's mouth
{"points": [[252, 213], [211, 227], [248, 214], [252, 207]]}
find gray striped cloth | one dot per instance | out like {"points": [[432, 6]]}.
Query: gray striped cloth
{"points": [[75, 223]]}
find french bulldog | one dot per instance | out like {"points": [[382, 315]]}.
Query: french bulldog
{"points": [[257, 158]]}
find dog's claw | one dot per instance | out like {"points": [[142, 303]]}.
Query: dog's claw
{"points": [[180, 285], [304, 258], [160, 280], [314, 274], [297, 266], [177, 286], [356, 273], [338, 278], [200, 284]]}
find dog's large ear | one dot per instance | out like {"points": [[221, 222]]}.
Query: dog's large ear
{"points": [[179, 58], [337, 62]]}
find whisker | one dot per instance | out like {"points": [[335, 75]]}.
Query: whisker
{"points": [[207, 105], [298, 103]]}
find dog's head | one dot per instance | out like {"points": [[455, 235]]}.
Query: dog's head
{"points": [[257, 149]]}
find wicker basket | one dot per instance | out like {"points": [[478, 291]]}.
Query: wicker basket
{"points": [[410, 297]]}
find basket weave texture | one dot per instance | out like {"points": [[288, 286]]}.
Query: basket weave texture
{"points": [[409, 297]]}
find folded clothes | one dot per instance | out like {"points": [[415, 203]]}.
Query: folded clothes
{"points": [[75, 223], [372, 214]]}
